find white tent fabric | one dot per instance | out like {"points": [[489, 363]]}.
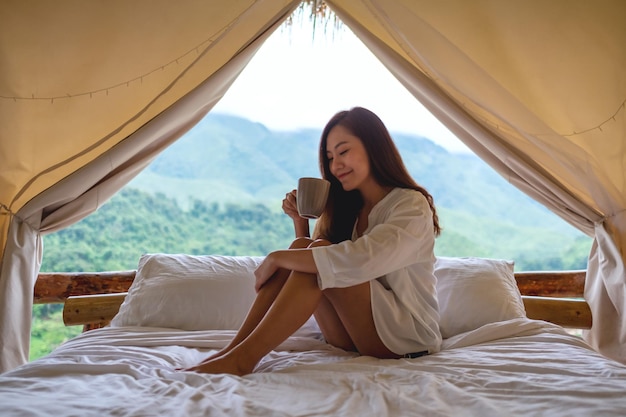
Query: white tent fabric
{"points": [[537, 89]]}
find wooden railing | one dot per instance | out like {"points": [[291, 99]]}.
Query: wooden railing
{"points": [[566, 284], [93, 299], [57, 287]]}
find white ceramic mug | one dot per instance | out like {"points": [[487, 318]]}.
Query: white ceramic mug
{"points": [[311, 197]]}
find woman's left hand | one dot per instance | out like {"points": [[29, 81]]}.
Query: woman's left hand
{"points": [[300, 260], [265, 271]]}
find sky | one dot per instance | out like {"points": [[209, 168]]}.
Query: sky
{"points": [[300, 79]]}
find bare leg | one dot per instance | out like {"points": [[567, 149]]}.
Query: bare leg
{"points": [[345, 318], [328, 320], [354, 308], [294, 304], [331, 326], [263, 301]]}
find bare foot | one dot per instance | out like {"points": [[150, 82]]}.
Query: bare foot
{"points": [[225, 364], [217, 354], [209, 358]]}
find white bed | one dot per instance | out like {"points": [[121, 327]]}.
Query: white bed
{"points": [[504, 365]]}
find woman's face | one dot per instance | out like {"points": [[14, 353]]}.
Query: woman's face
{"points": [[347, 159]]}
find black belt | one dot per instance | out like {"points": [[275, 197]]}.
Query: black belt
{"points": [[416, 354]]}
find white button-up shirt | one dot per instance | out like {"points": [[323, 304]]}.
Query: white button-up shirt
{"points": [[396, 255]]}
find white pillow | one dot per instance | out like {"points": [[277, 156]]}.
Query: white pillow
{"points": [[473, 292], [205, 292]]}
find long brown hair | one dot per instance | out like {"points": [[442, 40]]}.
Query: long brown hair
{"points": [[337, 221]]}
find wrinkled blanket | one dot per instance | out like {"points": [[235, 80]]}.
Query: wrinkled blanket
{"points": [[515, 368]]}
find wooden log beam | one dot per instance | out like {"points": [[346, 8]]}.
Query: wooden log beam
{"points": [[564, 284], [57, 287], [98, 310], [92, 310], [572, 313]]}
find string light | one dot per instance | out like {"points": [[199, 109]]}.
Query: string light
{"points": [[4, 210], [175, 61], [598, 127]]}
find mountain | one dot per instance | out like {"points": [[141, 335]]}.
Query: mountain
{"points": [[228, 159]]}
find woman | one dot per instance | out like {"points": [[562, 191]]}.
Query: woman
{"points": [[367, 275]]}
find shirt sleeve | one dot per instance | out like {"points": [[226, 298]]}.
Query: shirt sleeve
{"points": [[404, 236]]}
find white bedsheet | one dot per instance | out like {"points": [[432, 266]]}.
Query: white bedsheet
{"points": [[519, 367]]}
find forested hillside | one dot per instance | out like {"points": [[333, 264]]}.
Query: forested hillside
{"points": [[230, 159], [136, 222]]}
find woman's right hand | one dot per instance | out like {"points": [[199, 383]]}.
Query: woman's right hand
{"points": [[290, 205]]}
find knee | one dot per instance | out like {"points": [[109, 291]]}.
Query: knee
{"points": [[319, 242], [301, 243]]}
